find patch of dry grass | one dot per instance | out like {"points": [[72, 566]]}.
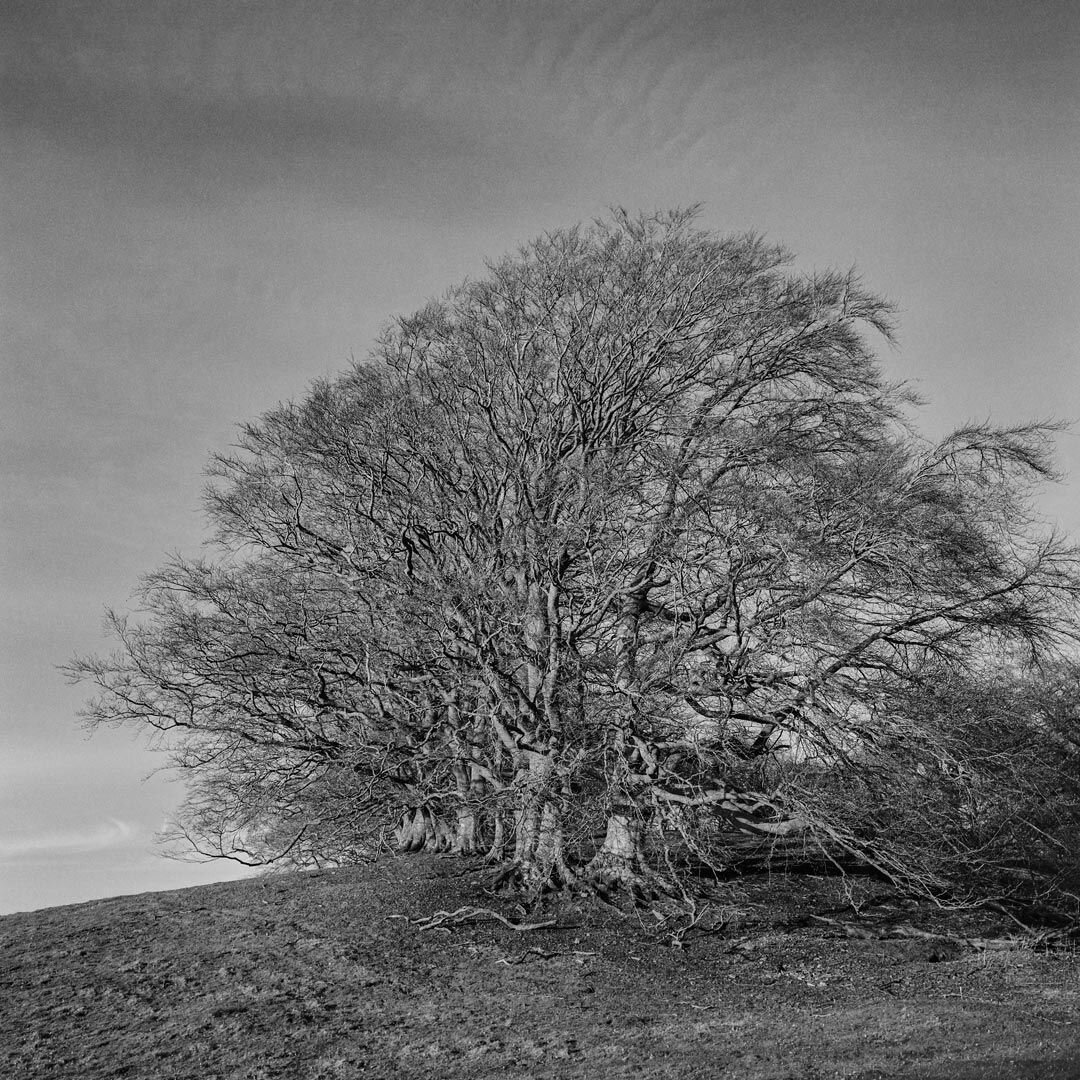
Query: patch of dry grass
{"points": [[309, 976]]}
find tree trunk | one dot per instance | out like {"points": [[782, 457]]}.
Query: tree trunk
{"points": [[466, 833], [467, 827], [420, 829], [621, 859], [497, 851], [539, 859]]}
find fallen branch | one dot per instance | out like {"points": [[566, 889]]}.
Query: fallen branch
{"points": [[443, 919], [697, 920], [578, 954], [1030, 940]]}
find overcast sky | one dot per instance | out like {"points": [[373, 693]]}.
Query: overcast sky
{"points": [[205, 205]]}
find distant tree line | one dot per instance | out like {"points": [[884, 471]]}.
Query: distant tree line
{"points": [[612, 557]]}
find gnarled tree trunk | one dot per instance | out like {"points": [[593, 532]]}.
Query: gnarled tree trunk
{"points": [[621, 859], [539, 858], [422, 829]]}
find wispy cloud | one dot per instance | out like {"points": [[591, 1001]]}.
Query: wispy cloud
{"points": [[401, 106], [111, 833]]}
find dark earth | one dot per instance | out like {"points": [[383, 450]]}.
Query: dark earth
{"points": [[318, 976]]}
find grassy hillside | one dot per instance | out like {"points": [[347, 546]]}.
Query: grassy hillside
{"points": [[316, 977]]}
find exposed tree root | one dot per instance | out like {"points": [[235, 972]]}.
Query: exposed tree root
{"points": [[607, 875], [533, 880]]}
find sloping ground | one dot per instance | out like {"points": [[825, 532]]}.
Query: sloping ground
{"points": [[310, 976]]}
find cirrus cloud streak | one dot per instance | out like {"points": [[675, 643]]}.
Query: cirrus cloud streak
{"points": [[111, 833]]}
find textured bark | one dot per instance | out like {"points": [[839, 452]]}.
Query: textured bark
{"points": [[621, 861], [497, 851], [539, 861], [467, 839], [421, 829]]}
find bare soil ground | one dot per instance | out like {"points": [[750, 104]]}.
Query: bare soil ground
{"points": [[312, 976]]}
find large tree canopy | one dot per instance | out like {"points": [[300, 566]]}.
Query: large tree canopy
{"points": [[622, 550]]}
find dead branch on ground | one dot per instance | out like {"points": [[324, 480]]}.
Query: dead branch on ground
{"points": [[1032, 939], [441, 919]]}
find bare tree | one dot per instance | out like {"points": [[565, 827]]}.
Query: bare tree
{"points": [[623, 546]]}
